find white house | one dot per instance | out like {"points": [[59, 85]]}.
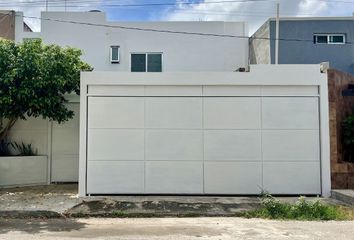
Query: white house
{"points": [[124, 47]]}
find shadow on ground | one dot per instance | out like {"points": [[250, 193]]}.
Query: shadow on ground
{"points": [[34, 226]]}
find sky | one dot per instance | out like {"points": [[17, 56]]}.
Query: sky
{"points": [[254, 12]]}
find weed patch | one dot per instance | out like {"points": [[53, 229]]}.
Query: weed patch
{"points": [[303, 209]]}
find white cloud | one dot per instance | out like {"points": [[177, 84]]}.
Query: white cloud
{"points": [[316, 7], [255, 13]]}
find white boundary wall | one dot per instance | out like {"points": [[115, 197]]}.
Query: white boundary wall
{"points": [[287, 81]]}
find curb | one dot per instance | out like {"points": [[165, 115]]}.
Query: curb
{"points": [[346, 196], [30, 214]]}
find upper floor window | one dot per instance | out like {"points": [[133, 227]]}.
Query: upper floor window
{"points": [[329, 38], [146, 62], [115, 54]]}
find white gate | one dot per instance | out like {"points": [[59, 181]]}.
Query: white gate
{"points": [[224, 136], [65, 148]]}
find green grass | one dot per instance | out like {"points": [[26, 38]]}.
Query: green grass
{"points": [[303, 209]]}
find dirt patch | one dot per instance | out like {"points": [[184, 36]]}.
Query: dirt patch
{"points": [[112, 208], [51, 198]]}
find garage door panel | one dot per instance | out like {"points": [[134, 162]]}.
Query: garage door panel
{"points": [[115, 177], [232, 145], [202, 145], [174, 177], [174, 112], [292, 177], [116, 112], [115, 144], [174, 145], [291, 145], [233, 177], [290, 113], [232, 113]]}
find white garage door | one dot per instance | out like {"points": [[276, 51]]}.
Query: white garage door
{"points": [[203, 145]]}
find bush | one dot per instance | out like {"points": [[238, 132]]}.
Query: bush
{"points": [[34, 80], [5, 148], [272, 208], [16, 149], [23, 149]]}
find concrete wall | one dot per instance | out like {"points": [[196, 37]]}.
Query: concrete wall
{"points": [[340, 56], [342, 173], [7, 24], [181, 52], [259, 47]]}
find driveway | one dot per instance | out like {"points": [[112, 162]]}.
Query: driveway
{"points": [[173, 228]]}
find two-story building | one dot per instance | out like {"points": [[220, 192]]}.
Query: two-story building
{"points": [[166, 112], [124, 47], [306, 41]]}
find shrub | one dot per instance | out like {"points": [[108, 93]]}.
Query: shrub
{"points": [[272, 208], [24, 149], [5, 148]]}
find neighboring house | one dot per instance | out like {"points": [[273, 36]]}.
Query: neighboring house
{"points": [[112, 48], [8, 25], [321, 40]]}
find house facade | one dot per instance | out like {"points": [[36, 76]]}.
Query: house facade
{"points": [[306, 41], [100, 40], [123, 47]]}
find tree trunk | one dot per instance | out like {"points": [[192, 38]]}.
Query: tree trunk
{"points": [[5, 131]]}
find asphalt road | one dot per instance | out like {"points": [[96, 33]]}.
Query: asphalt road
{"points": [[173, 228]]}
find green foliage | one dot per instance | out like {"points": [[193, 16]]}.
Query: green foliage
{"points": [[5, 148], [272, 208], [348, 138], [16, 149], [34, 79], [24, 149]]}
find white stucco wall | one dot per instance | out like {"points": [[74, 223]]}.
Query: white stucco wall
{"points": [[181, 52]]}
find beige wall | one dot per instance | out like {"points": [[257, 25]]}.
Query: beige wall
{"points": [[7, 24], [259, 46]]}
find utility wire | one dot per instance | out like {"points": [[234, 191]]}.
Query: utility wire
{"points": [[170, 31], [4, 15], [60, 3], [143, 4], [166, 31]]}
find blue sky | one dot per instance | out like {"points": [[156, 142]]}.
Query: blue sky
{"points": [[255, 12]]}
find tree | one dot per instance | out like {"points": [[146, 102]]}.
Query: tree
{"points": [[34, 79]]}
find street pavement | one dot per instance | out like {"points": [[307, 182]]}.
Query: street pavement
{"points": [[173, 228]]}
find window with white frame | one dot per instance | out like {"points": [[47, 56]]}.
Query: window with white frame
{"points": [[329, 38], [146, 62], [115, 54]]}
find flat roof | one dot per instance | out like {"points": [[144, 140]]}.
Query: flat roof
{"points": [[313, 18]]}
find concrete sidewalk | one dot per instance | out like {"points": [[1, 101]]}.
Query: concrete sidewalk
{"points": [[55, 201]]}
